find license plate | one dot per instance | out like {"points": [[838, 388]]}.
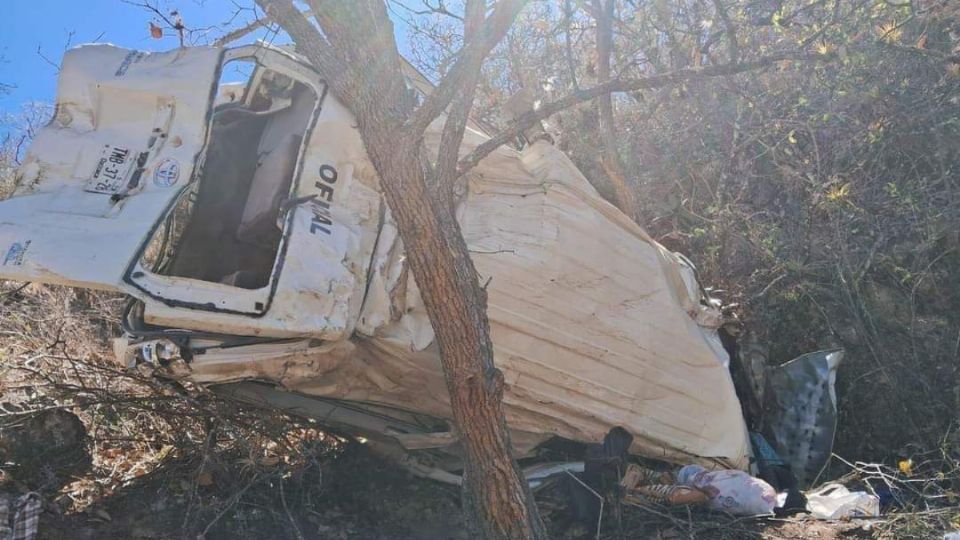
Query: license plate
{"points": [[113, 168]]}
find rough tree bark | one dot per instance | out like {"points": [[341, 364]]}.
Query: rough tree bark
{"points": [[610, 158], [356, 52]]}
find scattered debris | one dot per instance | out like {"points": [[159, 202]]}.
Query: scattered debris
{"points": [[731, 491], [259, 250], [835, 501], [19, 516], [41, 451], [800, 403]]}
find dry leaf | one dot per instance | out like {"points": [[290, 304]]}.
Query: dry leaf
{"points": [[205, 479], [889, 32]]}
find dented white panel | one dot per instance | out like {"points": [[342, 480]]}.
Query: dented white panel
{"points": [[321, 271], [588, 324], [153, 105], [594, 324]]}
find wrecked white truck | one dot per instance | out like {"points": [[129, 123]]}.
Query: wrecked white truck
{"points": [[230, 196]]}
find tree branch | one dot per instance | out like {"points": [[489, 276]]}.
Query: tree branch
{"points": [[731, 30], [309, 40], [361, 29], [950, 58], [610, 157], [568, 42], [239, 33], [469, 61], [627, 85], [361, 33], [449, 152], [439, 9]]}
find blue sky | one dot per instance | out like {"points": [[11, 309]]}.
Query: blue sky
{"points": [[51, 25], [47, 25]]}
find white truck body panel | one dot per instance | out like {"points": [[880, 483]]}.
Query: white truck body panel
{"points": [[107, 97], [594, 324]]}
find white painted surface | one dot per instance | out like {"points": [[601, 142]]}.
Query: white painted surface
{"points": [[594, 324]]}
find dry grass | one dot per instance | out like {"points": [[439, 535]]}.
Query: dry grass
{"points": [[181, 462], [56, 355]]}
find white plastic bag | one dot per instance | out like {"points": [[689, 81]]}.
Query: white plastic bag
{"points": [[735, 492], [834, 501]]}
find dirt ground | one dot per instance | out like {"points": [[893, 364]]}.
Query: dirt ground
{"points": [[358, 495], [116, 454]]}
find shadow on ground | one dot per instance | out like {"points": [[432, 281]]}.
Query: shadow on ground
{"points": [[358, 495], [354, 496]]}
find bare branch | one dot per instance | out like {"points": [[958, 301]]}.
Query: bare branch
{"points": [[309, 40], [459, 114], [610, 159], [627, 85], [43, 57], [439, 9], [731, 30], [175, 24], [240, 32], [156, 11], [568, 42], [470, 60], [950, 58]]}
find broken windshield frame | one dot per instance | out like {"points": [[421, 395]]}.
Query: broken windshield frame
{"points": [[156, 274]]}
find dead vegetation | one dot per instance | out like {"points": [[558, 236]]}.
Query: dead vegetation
{"points": [[824, 200], [202, 452], [174, 461]]}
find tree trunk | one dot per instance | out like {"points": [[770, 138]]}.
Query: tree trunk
{"points": [[610, 159], [496, 497], [357, 55]]}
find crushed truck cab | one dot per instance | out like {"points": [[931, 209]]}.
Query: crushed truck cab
{"points": [[230, 196]]}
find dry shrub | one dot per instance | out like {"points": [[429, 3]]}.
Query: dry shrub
{"points": [[204, 450], [922, 493], [16, 132], [825, 201], [821, 199]]}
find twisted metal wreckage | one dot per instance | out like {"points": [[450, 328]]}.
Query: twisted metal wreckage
{"points": [[230, 196]]}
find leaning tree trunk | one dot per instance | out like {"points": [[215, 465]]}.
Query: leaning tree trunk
{"points": [[610, 156], [358, 57], [495, 493]]}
